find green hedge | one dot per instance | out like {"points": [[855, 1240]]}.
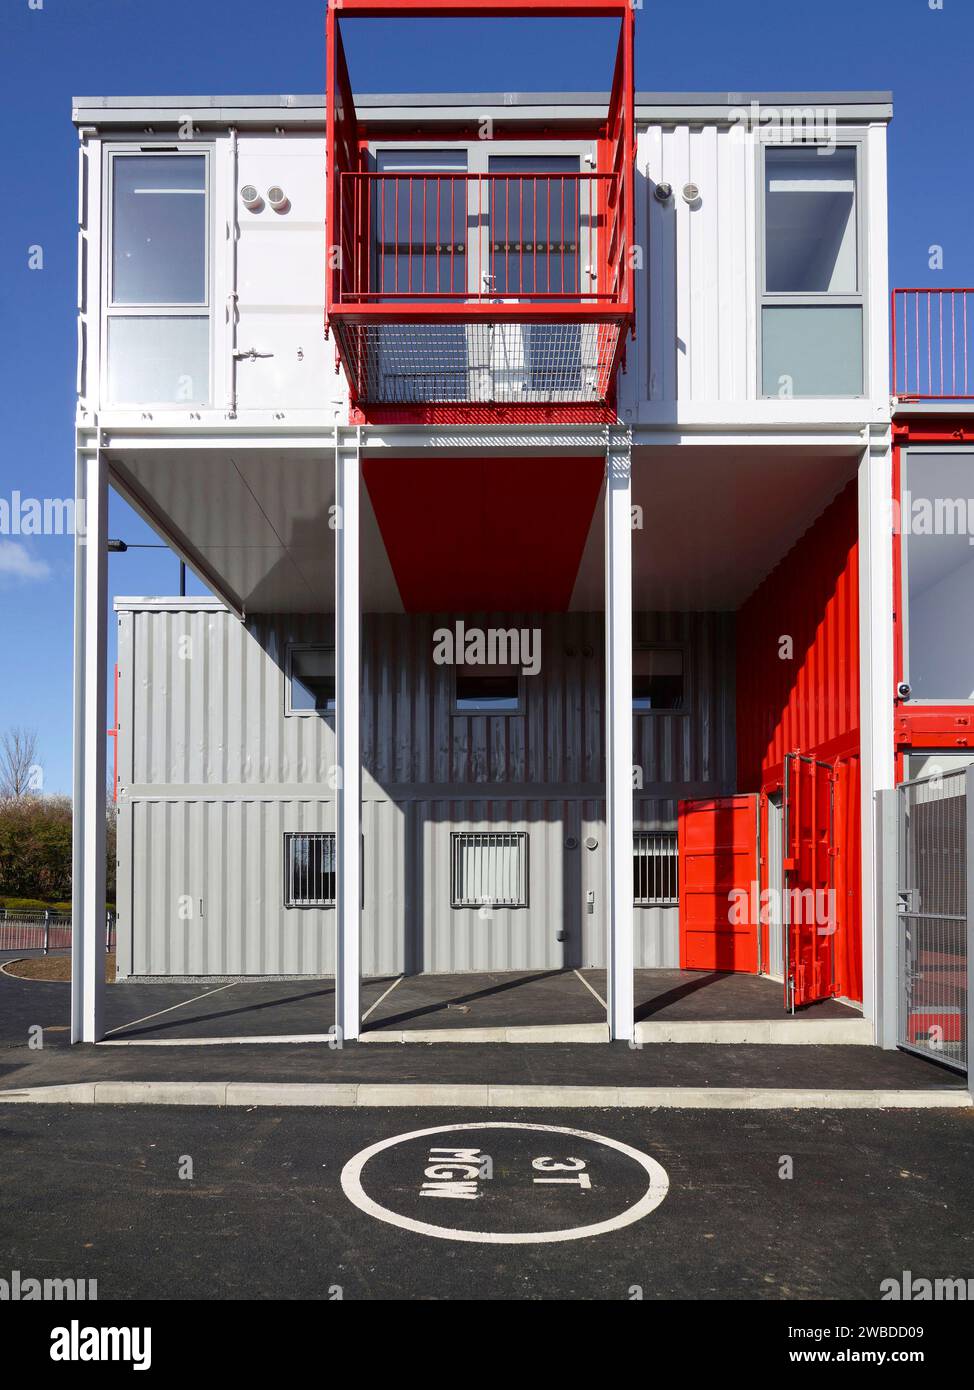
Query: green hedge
{"points": [[35, 905]]}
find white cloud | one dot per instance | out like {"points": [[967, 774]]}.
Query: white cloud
{"points": [[17, 563]]}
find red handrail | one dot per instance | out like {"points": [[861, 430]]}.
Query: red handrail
{"points": [[932, 339], [462, 238]]}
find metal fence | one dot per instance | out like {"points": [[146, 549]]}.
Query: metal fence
{"points": [[933, 925], [933, 344], [43, 931]]}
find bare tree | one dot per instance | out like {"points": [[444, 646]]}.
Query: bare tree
{"points": [[18, 763]]}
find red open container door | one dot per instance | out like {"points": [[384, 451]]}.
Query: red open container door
{"points": [[717, 843], [814, 797]]}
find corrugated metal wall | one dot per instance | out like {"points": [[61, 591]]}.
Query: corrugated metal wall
{"points": [[702, 259], [810, 700], [212, 774]]}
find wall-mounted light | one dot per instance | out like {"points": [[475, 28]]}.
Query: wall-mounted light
{"points": [[278, 199], [691, 193], [663, 192], [250, 198]]}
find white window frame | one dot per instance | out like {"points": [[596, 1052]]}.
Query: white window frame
{"points": [[289, 711], [289, 838], [110, 310], [486, 839], [479, 154], [854, 138]]}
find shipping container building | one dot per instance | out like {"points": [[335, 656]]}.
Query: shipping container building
{"points": [[542, 481]]}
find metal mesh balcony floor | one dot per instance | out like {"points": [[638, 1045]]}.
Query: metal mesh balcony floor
{"points": [[479, 363]]}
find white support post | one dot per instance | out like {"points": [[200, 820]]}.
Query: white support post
{"points": [[88, 947], [618, 731], [876, 676], [348, 897]]}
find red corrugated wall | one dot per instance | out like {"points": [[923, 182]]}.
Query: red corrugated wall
{"points": [[810, 702]]}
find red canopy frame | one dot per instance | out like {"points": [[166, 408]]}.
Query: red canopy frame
{"points": [[371, 322]]}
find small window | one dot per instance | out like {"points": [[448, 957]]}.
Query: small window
{"points": [[489, 868], [309, 870], [497, 691], [311, 680], [658, 679], [654, 869]]}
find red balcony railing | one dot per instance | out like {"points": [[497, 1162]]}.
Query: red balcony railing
{"points": [[933, 344], [414, 239]]}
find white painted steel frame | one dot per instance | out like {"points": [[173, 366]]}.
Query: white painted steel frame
{"points": [[348, 645], [618, 733], [876, 678], [90, 724]]}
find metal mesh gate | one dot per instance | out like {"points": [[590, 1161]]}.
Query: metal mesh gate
{"points": [[933, 917]]}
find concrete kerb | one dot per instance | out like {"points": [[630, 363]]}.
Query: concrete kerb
{"points": [[369, 1094]]}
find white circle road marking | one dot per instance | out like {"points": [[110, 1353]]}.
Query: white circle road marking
{"points": [[659, 1185]]}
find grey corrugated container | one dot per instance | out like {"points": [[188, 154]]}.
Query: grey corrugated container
{"points": [[213, 774]]}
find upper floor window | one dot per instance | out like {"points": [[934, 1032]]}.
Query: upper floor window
{"points": [[812, 303], [158, 322]]}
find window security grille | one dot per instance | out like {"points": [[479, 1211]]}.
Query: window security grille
{"points": [[489, 868], [309, 870], [654, 869]]}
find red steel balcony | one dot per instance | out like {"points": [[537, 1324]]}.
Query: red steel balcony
{"points": [[455, 295], [932, 345]]}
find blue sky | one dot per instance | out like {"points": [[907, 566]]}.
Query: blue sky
{"points": [[68, 47]]}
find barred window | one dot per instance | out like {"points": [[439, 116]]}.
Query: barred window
{"points": [[654, 868], [489, 867], [309, 869]]}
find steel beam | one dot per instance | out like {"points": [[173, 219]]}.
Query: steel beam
{"points": [[90, 803], [876, 682], [618, 731], [348, 898]]}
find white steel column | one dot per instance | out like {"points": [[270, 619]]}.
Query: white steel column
{"points": [[876, 675], [348, 897], [618, 731], [90, 806]]}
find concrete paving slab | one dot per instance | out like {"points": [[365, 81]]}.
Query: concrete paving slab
{"points": [[486, 1000], [685, 995]]}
